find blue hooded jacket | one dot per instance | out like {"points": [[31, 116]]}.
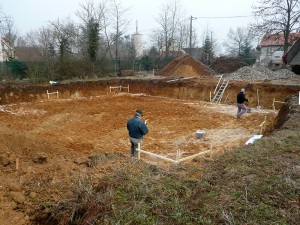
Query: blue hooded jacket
{"points": [[136, 128]]}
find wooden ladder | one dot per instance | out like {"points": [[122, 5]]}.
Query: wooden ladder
{"points": [[219, 91]]}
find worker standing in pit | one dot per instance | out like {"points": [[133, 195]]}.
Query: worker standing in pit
{"points": [[241, 99], [136, 129]]}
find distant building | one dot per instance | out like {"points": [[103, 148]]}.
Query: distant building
{"points": [[137, 41], [28, 54], [271, 43], [6, 51], [196, 53]]}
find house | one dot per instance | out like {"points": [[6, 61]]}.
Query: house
{"points": [[6, 51], [194, 52], [271, 43], [28, 54]]}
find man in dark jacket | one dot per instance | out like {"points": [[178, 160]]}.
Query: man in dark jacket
{"points": [[136, 129], [240, 103]]}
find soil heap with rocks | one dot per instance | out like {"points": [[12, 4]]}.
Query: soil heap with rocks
{"points": [[256, 73], [227, 64], [185, 66]]}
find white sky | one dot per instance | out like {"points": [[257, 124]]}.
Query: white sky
{"points": [[32, 14]]}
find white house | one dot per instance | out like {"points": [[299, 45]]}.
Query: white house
{"points": [[6, 51], [271, 43]]}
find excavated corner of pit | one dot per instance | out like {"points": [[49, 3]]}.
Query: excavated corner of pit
{"points": [[289, 115]]}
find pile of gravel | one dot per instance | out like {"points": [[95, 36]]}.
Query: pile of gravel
{"points": [[283, 73], [258, 73]]}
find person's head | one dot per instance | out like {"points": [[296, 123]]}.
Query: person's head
{"points": [[243, 90], [139, 113]]}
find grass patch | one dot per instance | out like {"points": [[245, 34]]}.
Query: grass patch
{"points": [[257, 184]]}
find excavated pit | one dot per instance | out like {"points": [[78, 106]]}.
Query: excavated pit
{"points": [[87, 117], [59, 134]]}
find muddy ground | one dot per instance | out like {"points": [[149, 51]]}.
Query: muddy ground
{"points": [[47, 144]]}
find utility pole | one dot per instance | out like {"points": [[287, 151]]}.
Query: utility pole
{"points": [[211, 48], [117, 37], [191, 33]]}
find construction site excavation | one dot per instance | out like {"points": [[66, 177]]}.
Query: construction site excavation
{"points": [[82, 122], [52, 136], [91, 117]]}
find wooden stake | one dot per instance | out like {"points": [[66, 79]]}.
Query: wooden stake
{"points": [[226, 98], [262, 125], [192, 156], [160, 157], [139, 152], [211, 151], [17, 164], [178, 155], [257, 97]]}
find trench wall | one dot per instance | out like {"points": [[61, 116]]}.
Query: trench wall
{"points": [[258, 93]]}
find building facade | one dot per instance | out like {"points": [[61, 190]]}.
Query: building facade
{"points": [[272, 43], [6, 51]]}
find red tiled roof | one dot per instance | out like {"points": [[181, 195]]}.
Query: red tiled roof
{"points": [[278, 39]]}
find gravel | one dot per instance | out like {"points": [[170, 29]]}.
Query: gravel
{"points": [[256, 73]]}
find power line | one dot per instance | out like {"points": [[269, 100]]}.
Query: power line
{"points": [[219, 17]]}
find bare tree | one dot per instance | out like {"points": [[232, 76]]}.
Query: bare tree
{"points": [[169, 20], [92, 18], [119, 26], [183, 35], [236, 39], [8, 30], [157, 40], [239, 43], [64, 36], [277, 16], [41, 38], [46, 40]]}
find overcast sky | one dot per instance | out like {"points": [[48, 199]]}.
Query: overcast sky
{"points": [[32, 14]]}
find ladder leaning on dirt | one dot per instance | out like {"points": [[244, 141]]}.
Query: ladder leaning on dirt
{"points": [[219, 90]]}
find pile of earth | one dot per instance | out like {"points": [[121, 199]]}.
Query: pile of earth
{"points": [[185, 66], [254, 73], [227, 64]]}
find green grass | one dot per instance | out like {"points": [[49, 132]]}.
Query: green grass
{"points": [[257, 184]]}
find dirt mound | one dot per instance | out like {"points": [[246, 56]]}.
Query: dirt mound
{"points": [[227, 64], [185, 66]]}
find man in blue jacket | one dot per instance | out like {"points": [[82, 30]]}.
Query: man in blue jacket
{"points": [[136, 129]]}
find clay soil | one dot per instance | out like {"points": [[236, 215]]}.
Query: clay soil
{"points": [[47, 145]]}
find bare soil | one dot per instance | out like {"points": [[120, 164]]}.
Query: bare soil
{"points": [[48, 144]]}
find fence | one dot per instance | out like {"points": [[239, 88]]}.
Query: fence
{"points": [[178, 159], [275, 102], [52, 93], [119, 88]]}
